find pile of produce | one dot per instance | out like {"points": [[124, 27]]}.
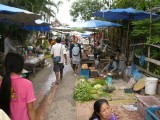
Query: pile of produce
{"points": [[82, 91], [85, 91]]}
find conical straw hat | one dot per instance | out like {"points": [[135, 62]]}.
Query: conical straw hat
{"points": [[139, 85]]}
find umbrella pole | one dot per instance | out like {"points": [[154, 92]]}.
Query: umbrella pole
{"points": [[94, 38], [127, 41]]}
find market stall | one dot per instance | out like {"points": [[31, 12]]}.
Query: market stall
{"points": [[32, 62]]}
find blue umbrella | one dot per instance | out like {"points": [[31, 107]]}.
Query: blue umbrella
{"points": [[92, 24], [12, 10], [123, 14], [39, 25], [23, 18], [96, 24], [17, 16]]}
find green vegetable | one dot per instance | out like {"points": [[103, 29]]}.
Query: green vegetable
{"points": [[95, 96], [99, 81], [85, 91], [82, 91], [93, 91], [97, 86]]}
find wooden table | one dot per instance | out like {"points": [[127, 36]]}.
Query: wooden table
{"points": [[33, 66]]}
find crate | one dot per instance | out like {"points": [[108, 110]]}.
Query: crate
{"points": [[85, 72], [146, 101], [150, 113]]}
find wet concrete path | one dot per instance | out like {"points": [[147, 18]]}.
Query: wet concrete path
{"points": [[63, 106], [54, 102]]}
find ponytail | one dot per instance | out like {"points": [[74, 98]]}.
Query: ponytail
{"points": [[13, 64], [5, 94]]}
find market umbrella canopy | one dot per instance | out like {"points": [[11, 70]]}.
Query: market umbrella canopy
{"points": [[39, 25], [124, 14], [16, 16], [62, 28], [12, 10], [96, 24]]}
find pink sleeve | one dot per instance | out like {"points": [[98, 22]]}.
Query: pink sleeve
{"points": [[30, 97]]}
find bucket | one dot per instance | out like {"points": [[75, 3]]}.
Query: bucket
{"points": [[150, 85], [109, 79]]}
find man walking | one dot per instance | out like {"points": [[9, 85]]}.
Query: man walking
{"points": [[59, 55]]}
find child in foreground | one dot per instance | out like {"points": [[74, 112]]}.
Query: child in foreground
{"points": [[16, 93]]}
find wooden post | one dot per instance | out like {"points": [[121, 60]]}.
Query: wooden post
{"points": [[149, 50], [150, 33]]}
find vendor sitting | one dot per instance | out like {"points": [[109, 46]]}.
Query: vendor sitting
{"points": [[111, 67]]}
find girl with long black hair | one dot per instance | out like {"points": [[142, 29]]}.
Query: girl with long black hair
{"points": [[16, 93]]}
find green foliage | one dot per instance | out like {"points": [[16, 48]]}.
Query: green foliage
{"points": [[140, 28], [155, 53], [45, 44], [138, 4], [154, 40], [139, 51], [155, 69], [83, 9]]}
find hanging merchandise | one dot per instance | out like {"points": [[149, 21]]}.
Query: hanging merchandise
{"points": [[142, 60]]}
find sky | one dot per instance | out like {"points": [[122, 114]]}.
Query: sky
{"points": [[63, 15]]}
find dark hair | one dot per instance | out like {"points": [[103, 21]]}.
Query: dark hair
{"points": [[97, 107], [14, 62], [111, 57], [119, 50], [58, 39]]}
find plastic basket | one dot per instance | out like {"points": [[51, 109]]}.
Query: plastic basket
{"points": [[85, 73], [146, 101], [150, 113]]}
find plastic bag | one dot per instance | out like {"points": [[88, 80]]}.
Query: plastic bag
{"points": [[142, 60], [132, 69], [137, 75]]}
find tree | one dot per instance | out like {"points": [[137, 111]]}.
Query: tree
{"points": [[137, 4], [83, 9]]}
